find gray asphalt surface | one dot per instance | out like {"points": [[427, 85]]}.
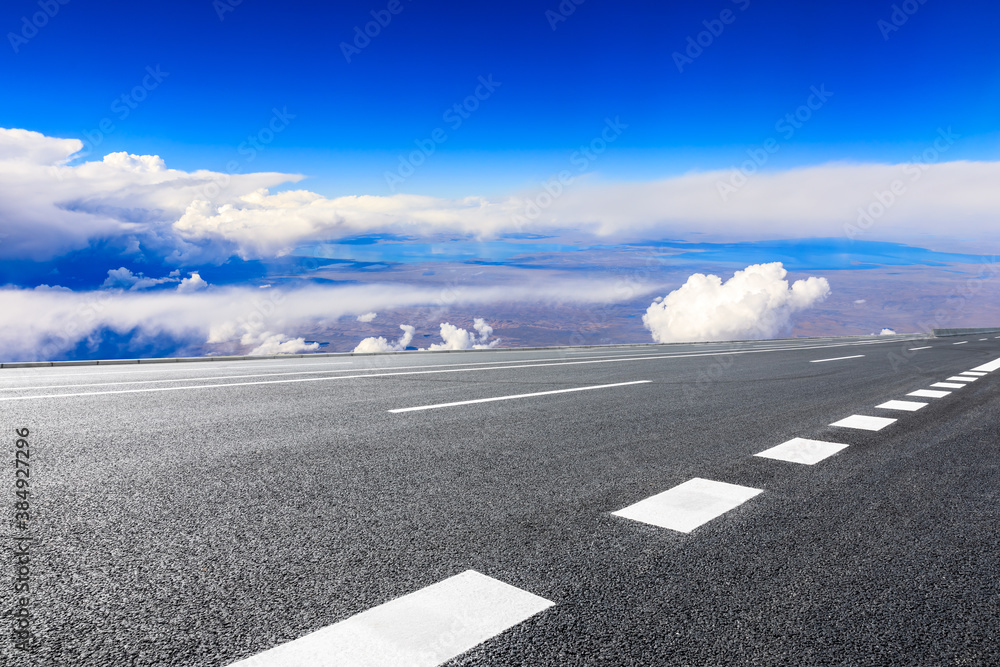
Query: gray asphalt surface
{"points": [[199, 526]]}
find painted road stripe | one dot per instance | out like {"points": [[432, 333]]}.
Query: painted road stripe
{"points": [[975, 373], [507, 398], [982, 339], [988, 368], [864, 422], [914, 349], [802, 450], [961, 342], [435, 369], [948, 385], [688, 505], [911, 406], [422, 629], [959, 378], [928, 393], [819, 361]]}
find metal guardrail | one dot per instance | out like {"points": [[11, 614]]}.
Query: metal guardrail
{"points": [[940, 333]]}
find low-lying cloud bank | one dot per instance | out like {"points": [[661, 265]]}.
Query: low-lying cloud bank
{"points": [[50, 322], [453, 338], [49, 207], [755, 303]]}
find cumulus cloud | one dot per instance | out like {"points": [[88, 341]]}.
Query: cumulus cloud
{"points": [[367, 317], [122, 278], [49, 206], [193, 283], [887, 332], [455, 338], [380, 344], [755, 303]]}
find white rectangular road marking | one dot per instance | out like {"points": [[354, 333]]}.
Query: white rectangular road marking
{"points": [[911, 406], [914, 349], [688, 505], [802, 450], [988, 368], [819, 361], [948, 385], [974, 373], [864, 422], [422, 629], [961, 342], [507, 398], [928, 393], [959, 378]]}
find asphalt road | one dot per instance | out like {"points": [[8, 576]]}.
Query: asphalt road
{"points": [[203, 513]]}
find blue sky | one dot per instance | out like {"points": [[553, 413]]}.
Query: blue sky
{"points": [[940, 68], [491, 146]]}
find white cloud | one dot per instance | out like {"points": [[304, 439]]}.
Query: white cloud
{"points": [[380, 344], [887, 332], [48, 207], [860, 301], [122, 278], [192, 284], [367, 317], [461, 339], [281, 344], [755, 303]]}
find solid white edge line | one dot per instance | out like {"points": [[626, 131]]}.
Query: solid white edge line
{"points": [[507, 398], [819, 361], [557, 362]]}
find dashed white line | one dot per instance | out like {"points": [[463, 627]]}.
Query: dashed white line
{"points": [[990, 367], [864, 422], [819, 361], [975, 373], [422, 629], [959, 378], [914, 349], [961, 342], [948, 385], [689, 505], [513, 396], [928, 393], [802, 450], [911, 406]]}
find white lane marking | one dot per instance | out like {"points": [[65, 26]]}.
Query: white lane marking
{"points": [[961, 342], [911, 406], [689, 505], [819, 361], [948, 385], [960, 378], [556, 362], [982, 339], [422, 629], [169, 367], [914, 349], [988, 368], [507, 398], [974, 373], [928, 393], [802, 450], [864, 422]]}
